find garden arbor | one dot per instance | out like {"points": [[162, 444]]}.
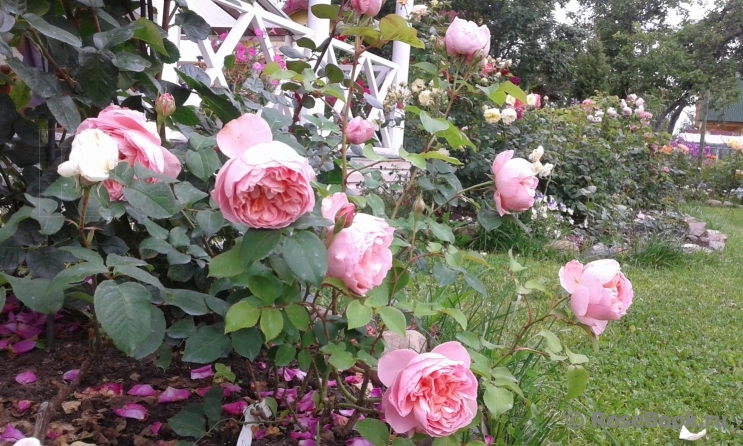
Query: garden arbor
{"points": [[264, 23]]}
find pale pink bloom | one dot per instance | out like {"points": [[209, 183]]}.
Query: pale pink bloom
{"points": [[430, 393], [137, 143], [252, 52], [268, 186], [243, 133], [627, 111], [360, 255], [132, 410], [666, 169], [515, 183], [259, 33], [141, 390], [359, 130], [336, 206], [202, 372], [172, 395], [257, 66], [465, 38], [235, 409], [27, 377], [70, 375], [599, 292], [367, 7]]}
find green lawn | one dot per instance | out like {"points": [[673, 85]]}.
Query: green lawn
{"points": [[679, 349]]}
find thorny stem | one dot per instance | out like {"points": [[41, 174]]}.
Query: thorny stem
{"points": [[37, 40], [460, 193], [83, 209]]}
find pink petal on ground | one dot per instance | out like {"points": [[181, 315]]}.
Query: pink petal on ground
{"points": [[132, 410], [141, 390], [258, 434], [229, 388], [172, 395], [26, 377], [376, 392], [306, 404], [354, 379], [51, 434], [70, 375], [155, 428], [235, 409], [358, 441], [22, 405], [202, 391], [26, 331], [203, 372], [4, 343], [11, 434], [306, 443], [24, 346], [332, 383], [26, 318], [9, 328]]}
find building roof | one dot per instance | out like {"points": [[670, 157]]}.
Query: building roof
{"points": [[732, 113]]}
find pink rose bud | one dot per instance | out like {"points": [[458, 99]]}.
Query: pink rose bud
{"points": [[515, 183], [367, 7], [418, 208], [337, 208], [359, 130], [430, 393], [165, 105], [599, 292], [465, 38]]}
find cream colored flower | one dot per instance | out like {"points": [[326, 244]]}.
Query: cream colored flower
{"points": [[425, 98], [536, 154], [443, 152], [546, 170], [92, 156], [417, 85], [510, 100], [492, 115], [508, 116]]}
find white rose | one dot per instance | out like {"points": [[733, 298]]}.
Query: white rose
{"points": [[640, 102], [419, 11], [510, 100], [546, 171], [492, 115], [632, 98], [425, 98], [531, 100], [627, 111], [536, 154], [93, 155], [611, 112], [508, 116], [418, 85]]}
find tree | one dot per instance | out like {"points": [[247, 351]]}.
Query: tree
{"points": [[591, 70]]}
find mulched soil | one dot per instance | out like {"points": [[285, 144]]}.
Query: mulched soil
{"points": [[91, 419]]}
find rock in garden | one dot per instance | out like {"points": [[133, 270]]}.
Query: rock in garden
{"points": [[727, 204], [563, 246], [600, 251], [714, 240], [697, 229], [691, 248], [414, 341], [714, 203]]}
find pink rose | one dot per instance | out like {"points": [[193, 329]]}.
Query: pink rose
{"points": [[360, 255], [137, 143], [599, 292], [467, 39], [515, 183], [243, 133], [359, 130], [336, 206], [267, 186], [432, 393], [367, 7]]}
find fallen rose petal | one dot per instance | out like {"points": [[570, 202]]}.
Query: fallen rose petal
{"points": [[202, 391], [9, 328], [203, 372], [354, 379], [229, 388], [4, 343], [52, 435], [235, 409], [24, 346], [155, 428], [289, 374], [306, 404], [22, 405], [259, 433], [26, 377], [376, 393], [172, 395], [688, 436], [26, 331], [11, 434], [358, 441], [141, 390], [70, 375], [132, 410], [306, 443]]}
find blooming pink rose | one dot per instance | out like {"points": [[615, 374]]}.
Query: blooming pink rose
{"points": [[599, 292], [367, 7], [267, 186], [515, 183], [467, 39], [243, 133], [431, 393], [359, 130], [137, 143], [360, 255], [336, 206]]}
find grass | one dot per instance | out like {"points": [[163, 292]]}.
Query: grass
{"points": [[679, 349]]}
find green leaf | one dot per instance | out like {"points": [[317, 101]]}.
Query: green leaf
{"points": [[509, 88], [66, 113], [272, 322], [124, 313], [181, 329], [109, 39], [400, 441], [193, 25], [342, 360], [44, 84], [149, 33], [78, 273], [64, 188], [212, 401], [50, 223], [247, 342], [428, 68], [553, 342], [358, 315], [155, 336], [138, 274], [37, 294], [202, 163], [374, 431], [489, 218], [285, 355], [227, 264], [576, 358], [475, 282], [441, 231], [458, 316], [243, 314], [206, 345], [257, 244], [577, 381], [498, 400], [100, 74], [155, 200], [51, 31], [298, 316], [131, 62], [306, 256], [326, 11], [432, 125], [393, 319], [191, 302], [209, 222], [188, 424]]}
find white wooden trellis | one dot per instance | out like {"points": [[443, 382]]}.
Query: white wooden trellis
{"points": [[380, 73]]}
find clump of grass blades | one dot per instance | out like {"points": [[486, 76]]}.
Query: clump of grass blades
{"points": [[657, 252]]}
